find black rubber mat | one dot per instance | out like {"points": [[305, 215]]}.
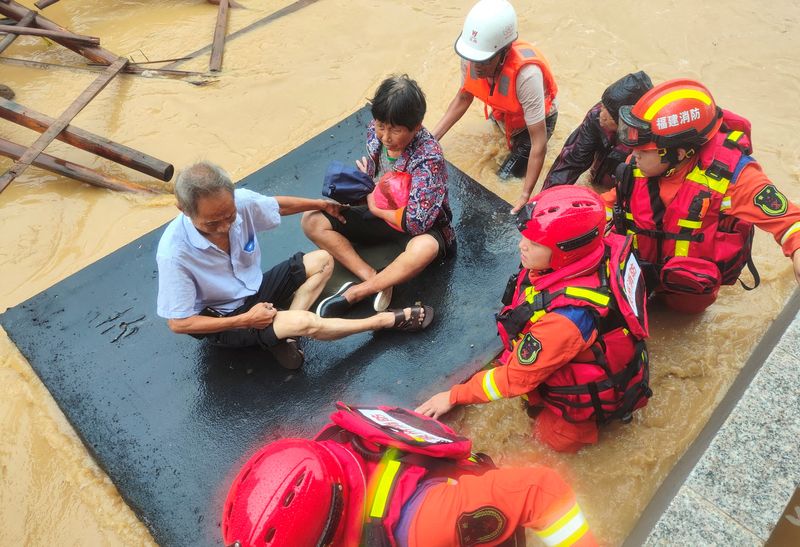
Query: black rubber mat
{"points": [[171, 419]]}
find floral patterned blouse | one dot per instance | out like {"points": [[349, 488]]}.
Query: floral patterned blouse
{"points": [[428, 203]]}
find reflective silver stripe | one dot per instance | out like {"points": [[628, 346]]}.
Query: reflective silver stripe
{"points": [[489, 387]]}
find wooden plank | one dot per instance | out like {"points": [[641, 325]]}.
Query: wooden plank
{"points": [[17, 11], [220, 30], [63, 121], [24, 22], [41, 4], [132, 68], [74, 170], [291, 8], [85, 140], [52, 34]]}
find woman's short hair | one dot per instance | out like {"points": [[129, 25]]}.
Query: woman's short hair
{"points": [[199, 180], [399, 101]]}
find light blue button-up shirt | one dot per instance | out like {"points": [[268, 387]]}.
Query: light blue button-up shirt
{"points": [[193, 273]]}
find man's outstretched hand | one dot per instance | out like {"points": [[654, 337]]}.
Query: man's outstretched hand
{"points": [[334, 208]]}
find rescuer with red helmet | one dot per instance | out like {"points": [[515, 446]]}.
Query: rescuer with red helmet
{"points": [[573, 325], [692, 193], [386, 476]]}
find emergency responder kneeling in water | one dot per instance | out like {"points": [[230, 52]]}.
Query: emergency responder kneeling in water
{"points": [[381, 476], [573, 324], [692, 193]]}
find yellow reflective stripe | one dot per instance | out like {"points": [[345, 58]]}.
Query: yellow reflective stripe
{"points": [[734, 136], [793, 229], [699, 176], [384, 487], [588, 294], [675, 96], [490, 387], [609, 213], [628, 215], [681, 248], [638, 173], [726, 203], [693, 224], [565, 531]]}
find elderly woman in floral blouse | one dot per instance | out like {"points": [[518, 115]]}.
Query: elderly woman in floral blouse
{"points": [[398, 147]]}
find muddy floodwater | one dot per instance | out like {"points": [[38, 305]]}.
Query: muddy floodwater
{"points": [[283, 83]]}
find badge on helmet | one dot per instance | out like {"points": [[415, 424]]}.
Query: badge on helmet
{"points": [[677, 113]]}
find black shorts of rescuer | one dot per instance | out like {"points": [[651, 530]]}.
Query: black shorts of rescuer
{"points": [[516, 164]]}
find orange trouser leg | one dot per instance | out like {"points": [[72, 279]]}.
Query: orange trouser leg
{"points": [[487, 509], [561, 435]]}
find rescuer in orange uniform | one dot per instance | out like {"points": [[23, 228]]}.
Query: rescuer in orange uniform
{"points": [[385, 477], [692, 193], [574, 328]]}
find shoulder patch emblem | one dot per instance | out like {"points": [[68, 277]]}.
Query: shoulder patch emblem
{"points": [[528, 349], [771, 201], [484, 525]]}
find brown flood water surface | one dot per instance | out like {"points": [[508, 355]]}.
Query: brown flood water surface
{"points": [[285, 82]]}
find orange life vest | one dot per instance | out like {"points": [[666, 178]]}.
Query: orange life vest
{"points": [[502, 94]]}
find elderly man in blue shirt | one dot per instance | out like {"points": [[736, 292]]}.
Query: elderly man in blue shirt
{"points": [[210, 283]]}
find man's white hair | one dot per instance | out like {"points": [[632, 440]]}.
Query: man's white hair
{"points": [[197, 181]]}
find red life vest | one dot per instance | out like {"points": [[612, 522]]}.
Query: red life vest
{"points": [[692, 245], [502, 94], [614, 382], [396, 449]]}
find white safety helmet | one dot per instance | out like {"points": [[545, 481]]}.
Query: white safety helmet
{"points": [[490, 26]]}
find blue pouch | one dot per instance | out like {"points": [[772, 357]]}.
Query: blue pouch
{"points": [[346, 184]]}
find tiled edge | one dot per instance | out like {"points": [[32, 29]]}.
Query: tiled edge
{"points": [[786, 322], [749, 470], [691, 520]]}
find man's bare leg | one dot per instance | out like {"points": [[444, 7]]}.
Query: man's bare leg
{"points": [[294, 323], [420, 251], [319, 268], [319, 230]]}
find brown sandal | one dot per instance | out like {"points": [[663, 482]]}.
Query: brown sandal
{"points": [[415, 322], [287, 354]]}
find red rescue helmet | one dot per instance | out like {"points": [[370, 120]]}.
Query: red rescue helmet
{"points": [[675, 114], [291, 492], [569, 220]]}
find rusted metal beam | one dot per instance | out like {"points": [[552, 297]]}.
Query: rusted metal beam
{"points": [[24, 22], [41, 4], [218, 45], [74, 170], [85, 140], [63, 121], [17, 11], [52, 34]]}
